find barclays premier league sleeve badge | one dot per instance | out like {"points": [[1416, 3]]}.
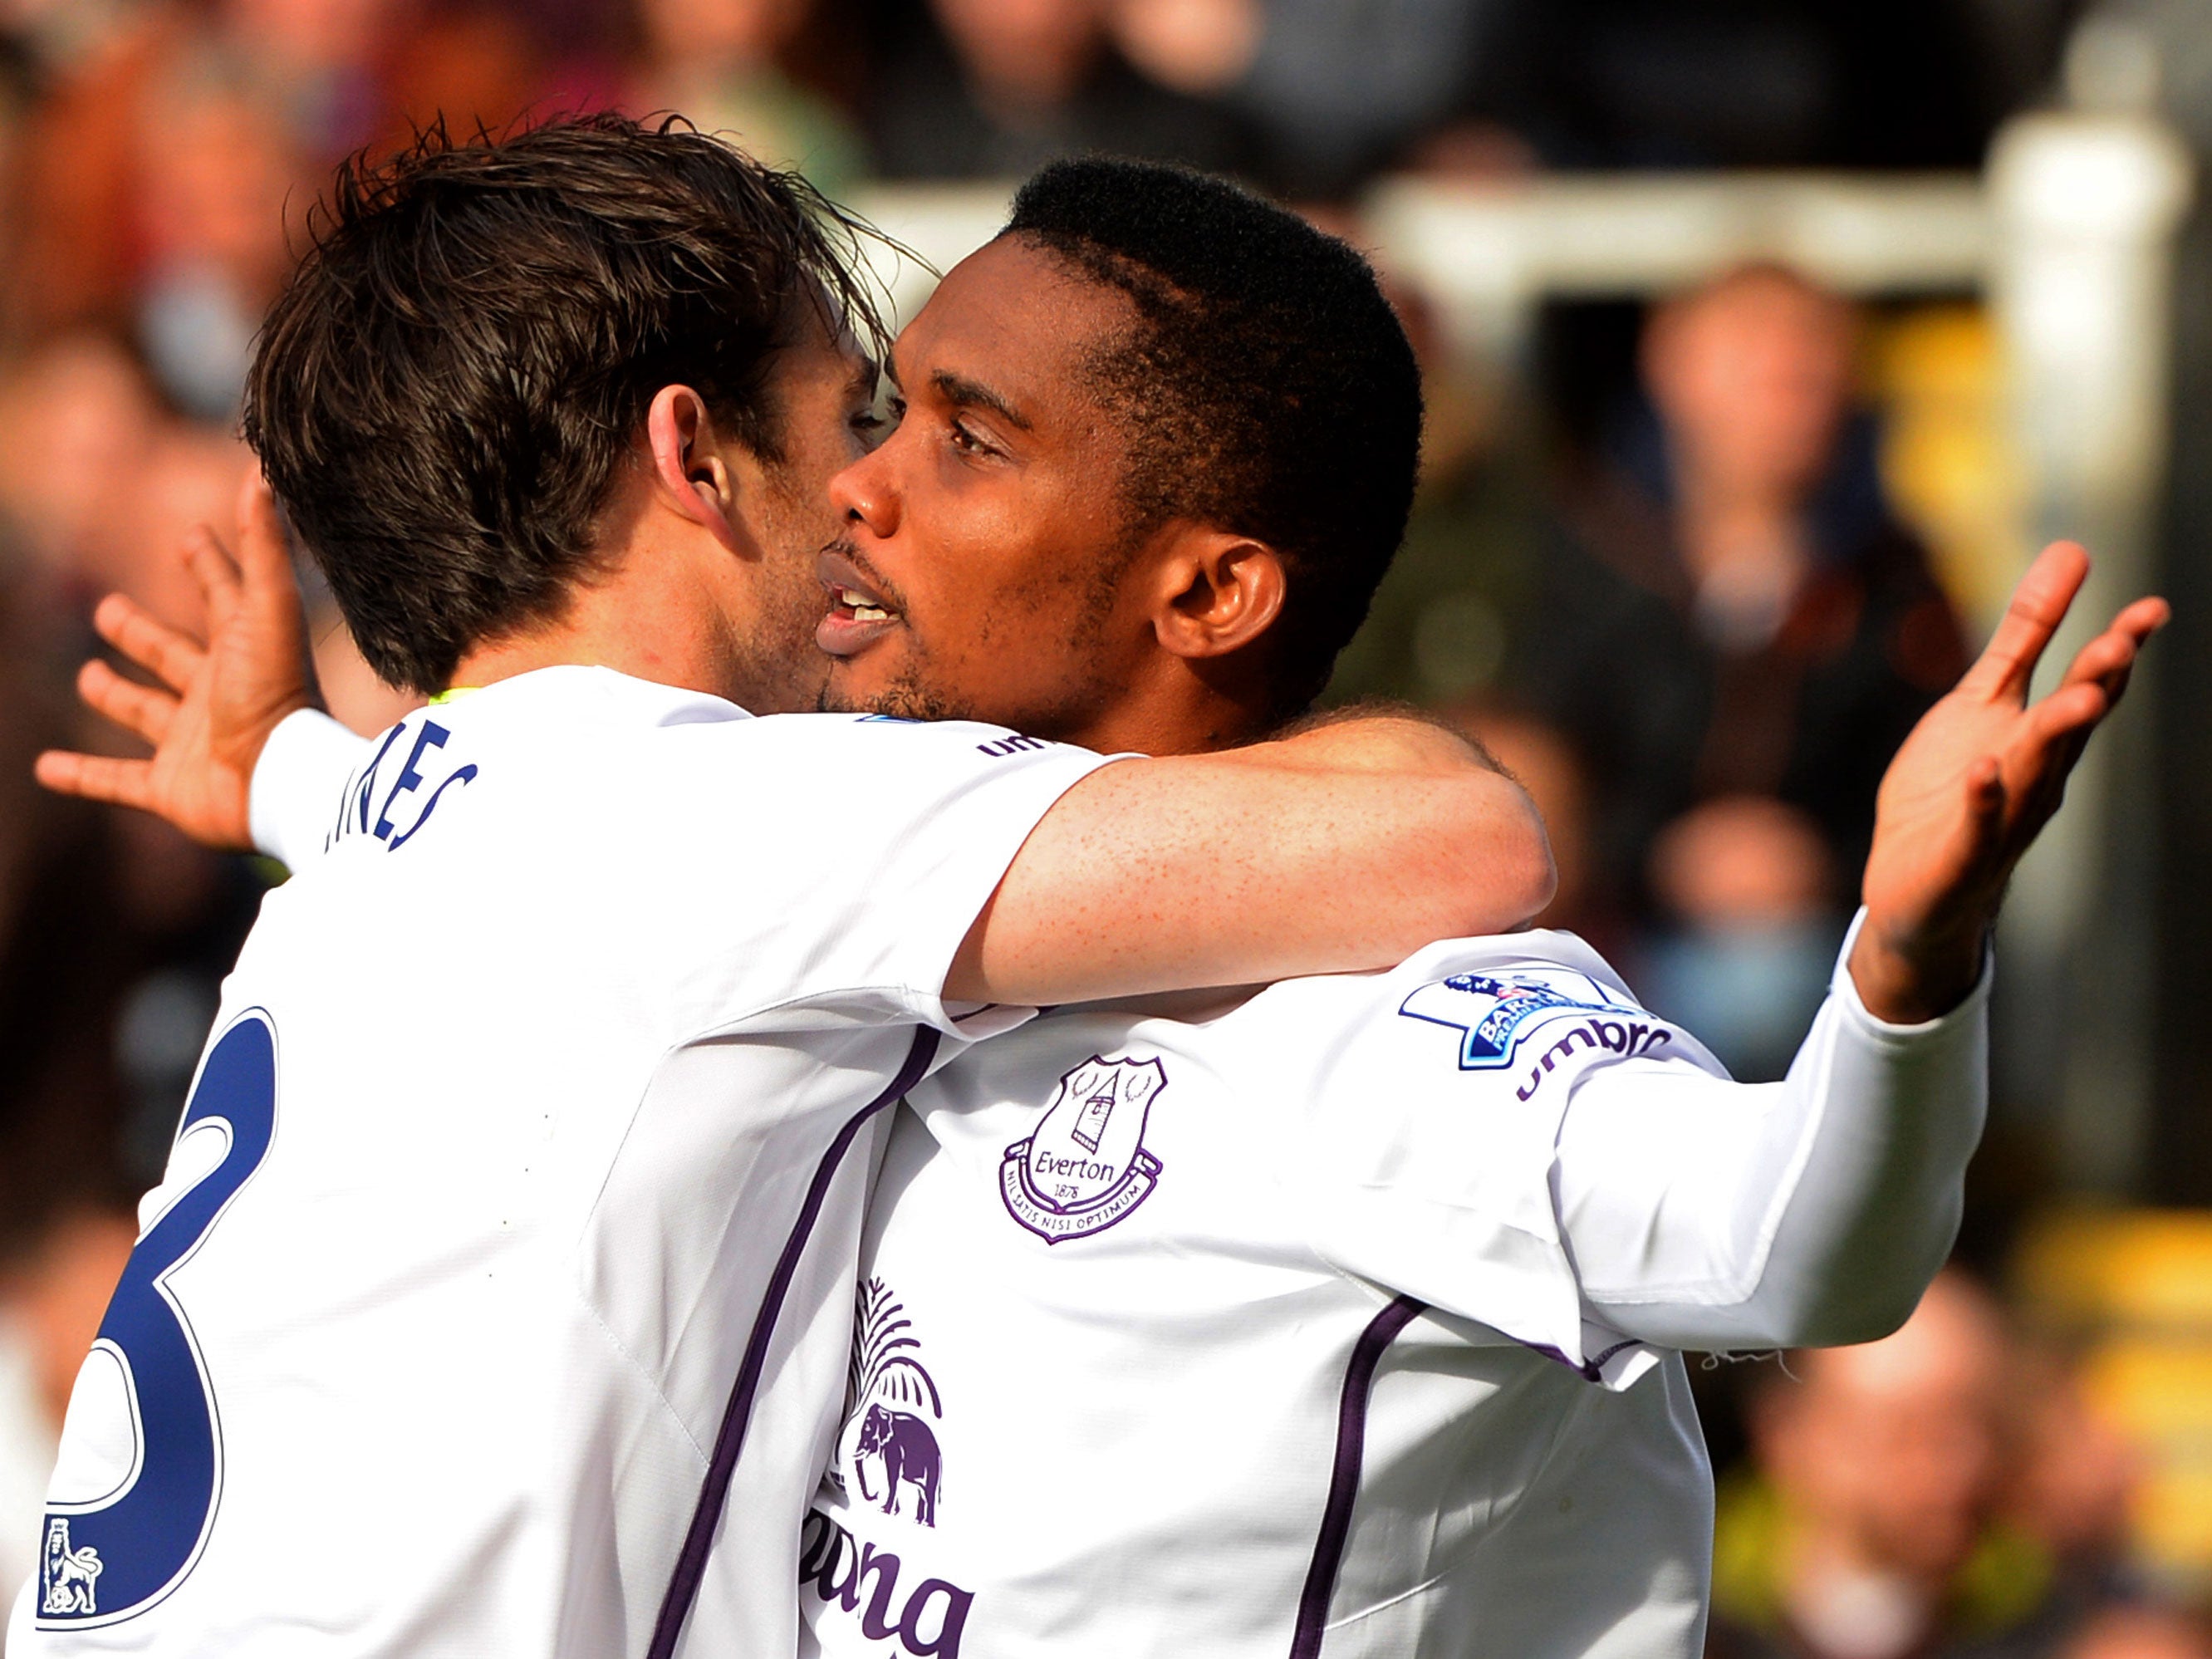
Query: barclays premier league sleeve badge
{"points": [[1493, 1015], [1085, 1167]]}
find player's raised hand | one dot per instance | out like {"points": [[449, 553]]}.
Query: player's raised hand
{"points": [[217, 702], [1971, 787]]}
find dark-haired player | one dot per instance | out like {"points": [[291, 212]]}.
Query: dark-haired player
{"points": [[516, 1203], [1343, 1318], [1237, 1326]]}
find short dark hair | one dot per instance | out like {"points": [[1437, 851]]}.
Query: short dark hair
{"points": [[1268, 388], [443, 395]]}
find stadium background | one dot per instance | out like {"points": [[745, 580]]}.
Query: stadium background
{"points": [[1764, 339]]}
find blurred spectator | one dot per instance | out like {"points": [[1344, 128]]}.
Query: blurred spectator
{"points": [[1336, 88], [995, 88], [157, 161], [1729, 607], [322, 58], [51, 1302], [47, 38], [721, 64], [1437, 630], [2140, 1633], [2074, 1486], [216, 168], [1869, 1529], [1745, 883], [73, 416], [114, 931]]}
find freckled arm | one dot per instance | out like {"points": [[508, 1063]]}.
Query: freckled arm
{"points": [[1335, 850]]}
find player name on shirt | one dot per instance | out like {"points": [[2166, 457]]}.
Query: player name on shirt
{"points": [[520, 1190]]}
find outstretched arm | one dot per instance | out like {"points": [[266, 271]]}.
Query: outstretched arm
{"points": [[1708, 1214]]}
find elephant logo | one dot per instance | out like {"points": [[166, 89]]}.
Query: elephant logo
{"points": [[906, 1454], [888, 1443], [69, 1578]]}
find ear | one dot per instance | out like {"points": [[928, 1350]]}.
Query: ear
{"points": [[692, 465], [1217, 592]]}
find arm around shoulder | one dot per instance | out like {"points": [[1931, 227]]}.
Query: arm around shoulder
{"points": [[1340, 849]]}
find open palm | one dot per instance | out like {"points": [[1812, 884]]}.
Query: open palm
{"points": [[1975, 782]]}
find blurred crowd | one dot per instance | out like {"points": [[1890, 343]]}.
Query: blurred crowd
{"points": [[1659, 573], [1949, 1491]]}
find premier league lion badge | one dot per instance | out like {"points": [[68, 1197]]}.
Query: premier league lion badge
{"points": [[1087, 1167]]}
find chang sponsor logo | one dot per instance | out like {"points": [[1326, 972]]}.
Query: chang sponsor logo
{"points": [[924, 1617]]}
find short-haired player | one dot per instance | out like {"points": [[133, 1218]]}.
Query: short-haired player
{"points": [[504, 1260], [1335, 1318], [1145, 1363]]}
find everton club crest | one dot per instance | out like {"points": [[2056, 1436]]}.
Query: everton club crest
{"points": [[1086, 1166]]}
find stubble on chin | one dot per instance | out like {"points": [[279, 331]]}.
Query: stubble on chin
{"points": [[790, 672], [906, 698]]}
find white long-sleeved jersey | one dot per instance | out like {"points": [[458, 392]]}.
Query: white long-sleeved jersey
{"points": [[511, 1224], [1328, 1317], [1330, 1323]]}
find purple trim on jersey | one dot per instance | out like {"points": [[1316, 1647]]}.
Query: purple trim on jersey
{"points": [[730, 1439], [1344, 1478], [1590, 1370]]}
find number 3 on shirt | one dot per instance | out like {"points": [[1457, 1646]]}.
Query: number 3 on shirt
{"points": [[155, 1441]]}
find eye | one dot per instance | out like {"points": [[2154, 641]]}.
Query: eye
{"points": [[873, 424], [967, 441]]}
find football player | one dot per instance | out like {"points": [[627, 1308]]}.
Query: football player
{"points": [[1343, 1317], [1142, 1367], [504, 1258]]}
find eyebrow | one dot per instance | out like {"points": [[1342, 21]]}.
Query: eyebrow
{"points": [[957, 389]]}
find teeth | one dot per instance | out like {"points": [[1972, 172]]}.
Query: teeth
{"points": [[863, 608]]}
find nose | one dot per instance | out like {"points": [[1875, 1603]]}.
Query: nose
{"points": [[865, 493]]}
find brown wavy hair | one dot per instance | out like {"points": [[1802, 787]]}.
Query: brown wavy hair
{"points": [[464, 359]]}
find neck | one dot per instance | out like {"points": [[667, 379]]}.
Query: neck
{"points": [[648, 610], [1180, 707], [680, 654]]}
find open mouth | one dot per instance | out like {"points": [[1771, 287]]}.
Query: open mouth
{"points": [[859, 613], [850, 605]]}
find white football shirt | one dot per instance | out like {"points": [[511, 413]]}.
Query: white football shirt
{"points": [[517, 1198], [1300, 1326]]}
